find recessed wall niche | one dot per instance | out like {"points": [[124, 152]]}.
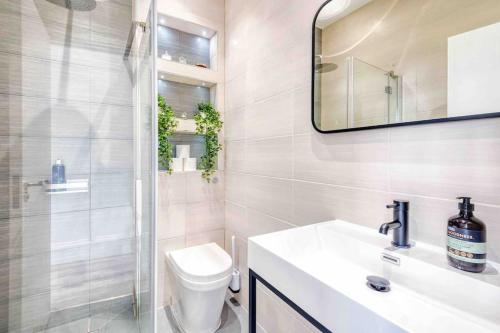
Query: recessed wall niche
{"points": [[184, 99], [187, 43]]}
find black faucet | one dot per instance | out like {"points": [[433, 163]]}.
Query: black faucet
{"points": [[399, 225]]}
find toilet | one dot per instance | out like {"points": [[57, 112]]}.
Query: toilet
{"points": [[199, 277]]}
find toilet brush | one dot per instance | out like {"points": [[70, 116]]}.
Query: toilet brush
{"points": [[234, 285]]}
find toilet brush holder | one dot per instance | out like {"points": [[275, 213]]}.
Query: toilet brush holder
{"points": [[234, 285]]}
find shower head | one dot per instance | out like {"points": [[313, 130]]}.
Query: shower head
{"points": [[78, 5], [321, 67]]}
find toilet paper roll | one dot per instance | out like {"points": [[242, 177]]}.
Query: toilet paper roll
{"points": [[182, 151], [190, 164], [177, 164]]}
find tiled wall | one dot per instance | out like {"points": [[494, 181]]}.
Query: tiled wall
{"points": [[65, 92], [190, 212], [280, 173]]}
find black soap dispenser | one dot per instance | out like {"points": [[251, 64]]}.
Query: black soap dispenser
{"points": [[466, 239]]}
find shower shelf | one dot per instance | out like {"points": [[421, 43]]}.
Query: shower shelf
{"points": [[71, 186], [189, 74]]}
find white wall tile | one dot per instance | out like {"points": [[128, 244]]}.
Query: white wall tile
{"points": [[204, 216], [270, 157], [270, 196]]}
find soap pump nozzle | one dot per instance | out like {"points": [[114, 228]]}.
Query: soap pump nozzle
{"points": [[466, 207]]}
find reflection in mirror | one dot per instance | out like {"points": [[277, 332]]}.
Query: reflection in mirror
{"points": [[381, 62]]}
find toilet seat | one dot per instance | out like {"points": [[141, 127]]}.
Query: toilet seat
{"points": [[201, 267]]}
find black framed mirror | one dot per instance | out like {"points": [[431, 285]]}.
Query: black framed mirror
{"points": [[386, 63]]}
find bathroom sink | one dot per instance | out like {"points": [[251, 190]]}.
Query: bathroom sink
{"points": [[323, 268]]}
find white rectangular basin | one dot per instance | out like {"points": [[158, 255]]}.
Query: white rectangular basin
{"points": [[323, 268]]}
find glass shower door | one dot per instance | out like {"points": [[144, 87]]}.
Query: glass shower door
{"points": [[68, 246], [145, 172], [369, 95]]}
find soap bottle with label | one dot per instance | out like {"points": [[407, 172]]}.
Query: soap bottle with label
{"points": [[466, 239]]}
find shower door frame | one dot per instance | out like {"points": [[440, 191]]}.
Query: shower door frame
{"points": [[152, 20]]}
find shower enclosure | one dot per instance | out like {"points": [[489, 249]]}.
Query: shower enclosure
{"points": [[77, 84], [374, 95]]}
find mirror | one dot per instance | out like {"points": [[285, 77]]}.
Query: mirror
{"points": [[384, 63]]}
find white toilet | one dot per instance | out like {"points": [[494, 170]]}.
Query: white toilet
{"points": [[200, 276]]}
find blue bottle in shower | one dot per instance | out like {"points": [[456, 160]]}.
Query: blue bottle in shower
{"points": [[58, 173]]}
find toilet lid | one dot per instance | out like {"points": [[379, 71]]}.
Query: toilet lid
{"points": [[203, 263]]}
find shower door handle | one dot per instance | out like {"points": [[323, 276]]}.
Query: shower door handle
{"points": [[138, 207]]}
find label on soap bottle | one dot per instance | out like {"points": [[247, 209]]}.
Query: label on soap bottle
{"points": [[467, 245]]}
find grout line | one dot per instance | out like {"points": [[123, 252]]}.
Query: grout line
{"points": [[262, 213], [235, 173]]}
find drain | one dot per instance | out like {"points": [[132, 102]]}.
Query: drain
{"points": [[378, 283]]}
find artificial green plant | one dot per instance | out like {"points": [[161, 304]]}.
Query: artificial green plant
{"points": [[166, 128], [208, 123]]}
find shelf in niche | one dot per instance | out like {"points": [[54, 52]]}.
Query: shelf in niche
{"points": [[183, 73]]}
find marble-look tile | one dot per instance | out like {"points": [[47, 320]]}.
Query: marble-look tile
{"points": [[111, 86], [48, 11], [247, 222], [171, 221], [448, 160], [235, 156], [271, 117], [235, 188], [30, 313], [39, 154], [26, 236], [69, 285], [234, 124], [43, 78], [237, 92], [79, 252], [172, 188], [347, 159], [164, 289], [111, 121], [215, 236], [110, 155], [314, 203], [111, 190], [69, 229], [112, 18], [198, 190], [270, 157], [35, 36], [204, 216], [270, 196], [43, 117], [111, 277], [302, 115], [25, 276], [109, 248], [108, 224], [107, 51]]}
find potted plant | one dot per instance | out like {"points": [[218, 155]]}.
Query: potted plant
{"points": [[166, 128], [208, 123]]}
